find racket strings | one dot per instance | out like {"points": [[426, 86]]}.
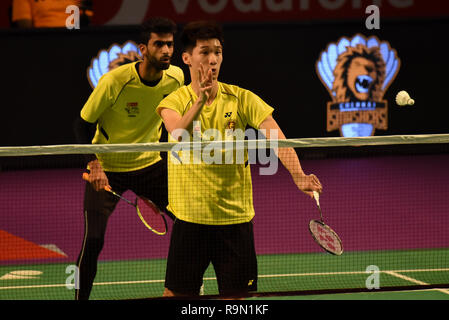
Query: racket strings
{"points": [[151, 216], [326, 237]]}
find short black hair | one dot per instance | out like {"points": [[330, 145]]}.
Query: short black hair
{"points": [[156, 25], [200, 30]]}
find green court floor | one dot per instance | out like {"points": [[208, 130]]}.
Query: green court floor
{"points": [[277, 273]]}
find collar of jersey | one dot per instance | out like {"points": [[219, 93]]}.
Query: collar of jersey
{"points": [[136, 74]]}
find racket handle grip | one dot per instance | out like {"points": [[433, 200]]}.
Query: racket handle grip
{"points": [[316, 195]]}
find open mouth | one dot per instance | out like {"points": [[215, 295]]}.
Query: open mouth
{"points": [[214, 73], [363, 83]]}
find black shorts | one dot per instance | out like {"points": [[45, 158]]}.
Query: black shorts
{"points": [[230, 249]]}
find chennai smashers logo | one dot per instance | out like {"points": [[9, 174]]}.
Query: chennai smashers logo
{"points": [[357, 72]]}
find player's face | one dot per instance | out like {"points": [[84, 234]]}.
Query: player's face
{"points": [[159, 50], [209, 53]]}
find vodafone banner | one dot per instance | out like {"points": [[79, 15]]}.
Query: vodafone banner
{"points": [[132, 12], [126, 12]]}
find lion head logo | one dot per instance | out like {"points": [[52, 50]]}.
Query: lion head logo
{"points": [[357, 73], [112, 58]]}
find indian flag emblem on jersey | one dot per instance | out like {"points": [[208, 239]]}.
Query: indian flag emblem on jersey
{"points": [[132, 108]]}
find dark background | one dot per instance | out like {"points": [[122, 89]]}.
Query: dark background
{"points": [[45, 83]]}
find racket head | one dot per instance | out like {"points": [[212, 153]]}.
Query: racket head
{"points": [[152, 217], [326, 238]]}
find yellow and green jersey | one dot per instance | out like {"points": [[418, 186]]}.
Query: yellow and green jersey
{"points": [[124, 109], [210, 193]]}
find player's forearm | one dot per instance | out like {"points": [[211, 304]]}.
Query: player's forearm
{"points": [[290, 160], [95, 165], [186, 121], [287, 156]]}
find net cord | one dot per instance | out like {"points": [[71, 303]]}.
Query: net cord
{"points": [[236, 145]]}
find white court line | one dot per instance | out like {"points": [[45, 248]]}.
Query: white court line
{"points": [[347, 272], [70, 286], [391, 272], [401, 276]]}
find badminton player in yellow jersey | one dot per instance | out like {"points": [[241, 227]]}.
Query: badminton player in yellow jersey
{"points": [[121, 109], [213, 202]]}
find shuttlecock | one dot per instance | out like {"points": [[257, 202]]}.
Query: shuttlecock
{"points": [[403, 99]]}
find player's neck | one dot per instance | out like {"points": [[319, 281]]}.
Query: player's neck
{"points": [[148, 73]]}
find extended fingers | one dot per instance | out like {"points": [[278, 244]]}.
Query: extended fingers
{"points": [[202, 75], [205, 77]]}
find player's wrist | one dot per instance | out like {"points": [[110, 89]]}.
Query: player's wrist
{"points": [[202, 99], [299, 174], [95, 165]]}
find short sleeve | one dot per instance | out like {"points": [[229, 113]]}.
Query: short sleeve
{"points": [[177, 74], [100, 99], [172, 102], [255, 109]]}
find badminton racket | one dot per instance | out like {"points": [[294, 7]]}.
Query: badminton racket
{"points": [[323, 234], [149, 213]]}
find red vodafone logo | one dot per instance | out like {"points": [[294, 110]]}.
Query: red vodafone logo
{"points": [[131, 12], [120, 12]]}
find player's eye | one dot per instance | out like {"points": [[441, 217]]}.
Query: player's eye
{"points": [[160, 44]]}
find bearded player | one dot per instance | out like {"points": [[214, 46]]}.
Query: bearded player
{"points": [[121, 109]]}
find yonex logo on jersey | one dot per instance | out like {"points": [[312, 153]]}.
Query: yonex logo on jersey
{"points": [[132, 108], [228, 114]]}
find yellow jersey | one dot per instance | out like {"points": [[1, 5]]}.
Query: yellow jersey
{"points": [[124, 109], [217, 192]]}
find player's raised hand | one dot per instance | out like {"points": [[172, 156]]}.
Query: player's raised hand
{"points": [[205, 79]]}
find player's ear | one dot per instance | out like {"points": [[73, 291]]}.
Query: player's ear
{"points": [[142, 48], [186, 58]]}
